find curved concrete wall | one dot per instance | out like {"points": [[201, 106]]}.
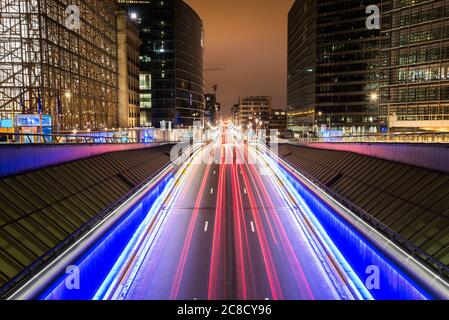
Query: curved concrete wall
{"points": [[430, 156], [19, 158]]}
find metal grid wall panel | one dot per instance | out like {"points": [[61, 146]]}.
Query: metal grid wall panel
{"points": [[412, 201], [38, 210]]}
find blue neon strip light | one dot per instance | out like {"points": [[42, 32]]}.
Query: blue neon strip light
{"points": [[356, 249], [96, 263]]}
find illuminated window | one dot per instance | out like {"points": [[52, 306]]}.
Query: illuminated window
{"points": [[145, 81], [145, 101]]}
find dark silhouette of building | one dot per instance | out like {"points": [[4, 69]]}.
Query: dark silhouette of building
{"points": [[332, 67], [235, 115], [211, 101], [278, 120], [171, 59], [213, 109]]}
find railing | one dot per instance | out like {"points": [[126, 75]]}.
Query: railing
{"points": [[419, 137], [22, 138], [395, 237], [44, 260], [37, 265]]}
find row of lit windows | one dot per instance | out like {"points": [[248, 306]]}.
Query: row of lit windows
{"points": [[419, 36], [424, 74], [404, 3], [416, 94], [423, 16], [424, 55]]}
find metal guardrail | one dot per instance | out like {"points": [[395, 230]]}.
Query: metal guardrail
{"points": [[41, 262], [21, 138], [414, 137], [395, 237]]}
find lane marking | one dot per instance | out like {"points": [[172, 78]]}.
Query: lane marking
{"points": [[244, 190], [212, 191], [206, 225], [252, 227], [215, 172]]}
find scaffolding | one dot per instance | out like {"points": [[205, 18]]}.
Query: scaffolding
{"points": [[72, 71], [20, 67]]}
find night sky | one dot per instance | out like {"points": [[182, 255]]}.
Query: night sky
{"points": [[249, 38]]}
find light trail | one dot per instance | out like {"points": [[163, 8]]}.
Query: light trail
{"points": [[248, 273], [130, 260], [188, 240], [216, 272], [270, 267], [292, 259], [335, 258], [253, 236], [239, 242]]}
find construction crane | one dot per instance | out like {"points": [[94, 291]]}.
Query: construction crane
{"points": [[215, 87]]}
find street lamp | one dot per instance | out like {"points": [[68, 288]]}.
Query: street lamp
{"points": [[68, 96], [320, 114]]}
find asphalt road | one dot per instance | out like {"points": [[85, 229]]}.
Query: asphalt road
{"points": [[228, 232]]}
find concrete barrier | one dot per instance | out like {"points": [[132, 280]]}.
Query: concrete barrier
{"points": [[430, 156], [20, 158]]}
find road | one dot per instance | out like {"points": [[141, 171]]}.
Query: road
{"points": [[227, 232]]}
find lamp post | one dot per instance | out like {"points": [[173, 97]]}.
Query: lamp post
{"points": [[374, 97]]}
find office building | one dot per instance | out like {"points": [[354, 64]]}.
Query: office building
{"points": [[128, 54], [55, 63], [171, 62], [217, 114], [235, 115], [278, 120], [213, 109], [414, 90], [254, 112], [332, 68], [211, 101]]}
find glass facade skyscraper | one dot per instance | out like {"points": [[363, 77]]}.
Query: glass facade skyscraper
{"points": [[332, 67], [301, 85], [414, 92], [171, 62]]}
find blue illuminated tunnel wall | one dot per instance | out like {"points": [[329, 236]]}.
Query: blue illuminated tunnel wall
{"points": [[358, 251], [95, 264]]}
